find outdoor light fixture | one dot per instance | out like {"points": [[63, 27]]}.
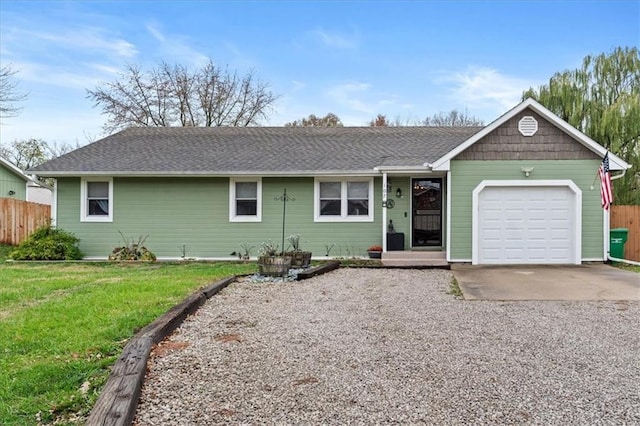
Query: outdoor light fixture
{"points": [[526, 170], [399, 193], [12, 192]]}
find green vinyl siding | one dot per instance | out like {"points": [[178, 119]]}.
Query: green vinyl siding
{"points": [[401, 223], [9, 181], [195, 212], [467, 174]]}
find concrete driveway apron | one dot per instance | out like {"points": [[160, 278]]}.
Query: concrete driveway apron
{"points": [[545, 282]]}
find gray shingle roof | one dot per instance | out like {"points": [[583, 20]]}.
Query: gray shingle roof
{"points": [[236, 150]]}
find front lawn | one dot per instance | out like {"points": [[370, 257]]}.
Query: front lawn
{"points": [[63, 325], [4, 251]]}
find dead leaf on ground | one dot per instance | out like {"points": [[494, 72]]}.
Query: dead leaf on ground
{"points": [[226, 412], [305, 381], [167, 346], [227, 338]]}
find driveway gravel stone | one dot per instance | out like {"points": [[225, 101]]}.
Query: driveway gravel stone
{"points": [[363, 346]]}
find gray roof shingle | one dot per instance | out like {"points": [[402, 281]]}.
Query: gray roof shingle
{"points": [[277, 150]]}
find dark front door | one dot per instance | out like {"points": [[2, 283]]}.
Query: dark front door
{"points": [[427, 212]]}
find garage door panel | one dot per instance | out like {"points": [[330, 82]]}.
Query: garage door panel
{"points": [[529, 224]]}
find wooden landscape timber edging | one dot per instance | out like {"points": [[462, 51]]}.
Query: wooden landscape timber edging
{"points": [[318, 270], [118, 400]]}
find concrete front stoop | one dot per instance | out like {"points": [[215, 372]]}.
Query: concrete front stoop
{"points": [[410, 259]]}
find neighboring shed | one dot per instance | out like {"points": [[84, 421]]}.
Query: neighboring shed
{"points": [[13, 181]]}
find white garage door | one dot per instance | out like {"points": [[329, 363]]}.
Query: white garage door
{"points": [[526, 225]]}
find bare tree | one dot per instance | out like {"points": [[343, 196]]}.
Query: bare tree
{"points": [[9, 94], [399, 121], [453, 118], [173, 95], [329, 120]]}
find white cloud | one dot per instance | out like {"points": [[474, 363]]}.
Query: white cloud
{"points": [[483, 87], [298, 85], [335, 39], [90, 39], [345, 94], [78, 77], [176, 48], [151, 28]]}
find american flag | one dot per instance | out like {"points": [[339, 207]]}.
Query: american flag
{"points": [[606, 195]]}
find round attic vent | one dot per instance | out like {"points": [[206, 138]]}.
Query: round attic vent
{"points": [[528, 126]]}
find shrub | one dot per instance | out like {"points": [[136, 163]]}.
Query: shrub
{"points": [[132, 250], [48, 243]]}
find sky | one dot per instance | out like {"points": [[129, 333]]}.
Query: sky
{"points": [[403, 59]]}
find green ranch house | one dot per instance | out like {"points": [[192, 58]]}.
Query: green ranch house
{"points": [[517, 191]]}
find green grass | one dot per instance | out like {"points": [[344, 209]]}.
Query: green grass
{"points": [[64, 324], [4, 251], [454, 289], [626, 267]]}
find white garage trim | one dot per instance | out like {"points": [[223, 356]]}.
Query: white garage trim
{"points": [[577, 220]]}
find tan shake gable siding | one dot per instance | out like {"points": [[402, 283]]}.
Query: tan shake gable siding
{"points": [[506, 143]]}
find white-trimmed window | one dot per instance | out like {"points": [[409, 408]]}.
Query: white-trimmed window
{"points": [[245, 200], [96, 200], [343, 200]]}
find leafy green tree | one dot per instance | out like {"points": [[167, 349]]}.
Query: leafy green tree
{"points": [[26, 153], [602, 100]]}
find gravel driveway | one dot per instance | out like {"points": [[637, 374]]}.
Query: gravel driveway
{"points": [[365, 346]]}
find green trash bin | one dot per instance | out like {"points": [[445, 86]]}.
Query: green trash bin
{"points": [[617, 238]]}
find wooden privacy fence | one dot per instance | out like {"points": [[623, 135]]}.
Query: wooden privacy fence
{"points": [[628, 217], [18, 219]]}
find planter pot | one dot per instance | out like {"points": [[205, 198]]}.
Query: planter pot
{"points": [[375, 254], [274, 266], [299, 259]]}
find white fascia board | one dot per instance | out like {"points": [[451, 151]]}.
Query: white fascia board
{"points": [[615, 162], [367, 173], [36, 183], [403, 169], [443, 167]]}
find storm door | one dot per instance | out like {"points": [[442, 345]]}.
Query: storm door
{"points": [[427, 212]]}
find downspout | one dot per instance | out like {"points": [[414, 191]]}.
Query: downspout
{"points": [[629, 262], [54, 204], [384, 212]]}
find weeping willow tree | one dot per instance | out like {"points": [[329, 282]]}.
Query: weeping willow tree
{"points": [[602, 100]]}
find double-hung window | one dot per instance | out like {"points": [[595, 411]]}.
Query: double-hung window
{"points": [[343, 200], [96, 200], [245, 200]]}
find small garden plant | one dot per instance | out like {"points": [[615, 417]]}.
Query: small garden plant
{"points": [[132, 250], [269, 248], [294, 241], [245, 254], [48, 243], [299, 258]]}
